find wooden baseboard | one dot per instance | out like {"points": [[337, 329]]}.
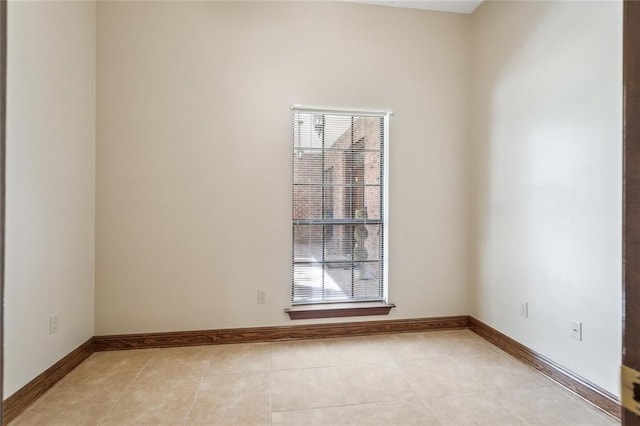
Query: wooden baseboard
{"points": [[272, 334], [592, 393], [29, 393]]}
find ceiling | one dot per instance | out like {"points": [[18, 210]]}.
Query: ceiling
{"points": [[455, 6]]}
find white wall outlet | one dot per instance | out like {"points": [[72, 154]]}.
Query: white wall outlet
{"points": [[524, 309], [54, 320], [576, 330], [262, 297]]}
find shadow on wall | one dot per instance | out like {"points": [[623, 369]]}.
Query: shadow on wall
{"points": [[546, 142], [490, 69]]}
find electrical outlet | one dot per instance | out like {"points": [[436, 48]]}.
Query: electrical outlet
{"points": [[524, 309], [54, 320], [576, 330], [262, 297]]}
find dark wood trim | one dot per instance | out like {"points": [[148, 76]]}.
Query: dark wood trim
{"points": [[3, 127], [29, 393], [592, 393], [631, 194], [272, 334], [338, 310]]}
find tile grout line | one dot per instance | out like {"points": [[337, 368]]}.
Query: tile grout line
{"points": [[37, 401], [195, 396], [344, 394], [356, 404], [32, 406], [480, 383], [497, 397], [417, 395], [101, 421], [412, 385], [456, 363], [353, 404]]}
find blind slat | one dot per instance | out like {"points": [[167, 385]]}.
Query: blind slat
{"points": [[338, 205]]}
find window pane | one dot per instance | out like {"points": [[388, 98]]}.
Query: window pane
{"points": [[336, 243], [336, 202], [335, 282], [353, 166], [307, 167], [367, 280], [337, 185]]}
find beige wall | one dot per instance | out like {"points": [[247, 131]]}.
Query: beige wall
{"points": [[194, 153], [547, 155], [50, 185]]}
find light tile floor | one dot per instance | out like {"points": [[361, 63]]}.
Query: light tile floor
{"points": [[435, 378]]}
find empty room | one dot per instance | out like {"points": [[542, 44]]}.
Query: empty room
{"points": [[317, 212]]}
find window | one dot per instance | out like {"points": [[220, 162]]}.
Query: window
{"points": [[339, 205]]}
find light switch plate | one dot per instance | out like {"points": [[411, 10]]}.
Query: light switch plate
{"points": [[576, 330]]}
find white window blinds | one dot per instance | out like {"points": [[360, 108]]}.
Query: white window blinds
{"points": [[339, 213]]}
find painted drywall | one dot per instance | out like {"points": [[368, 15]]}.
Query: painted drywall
{"points": [[546, 138], [194, 153], [50, 197]]}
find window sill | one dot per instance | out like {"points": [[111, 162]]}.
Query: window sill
{"points": [[339, 310]]}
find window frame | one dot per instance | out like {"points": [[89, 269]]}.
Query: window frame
{"points": [[321, 309]]}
